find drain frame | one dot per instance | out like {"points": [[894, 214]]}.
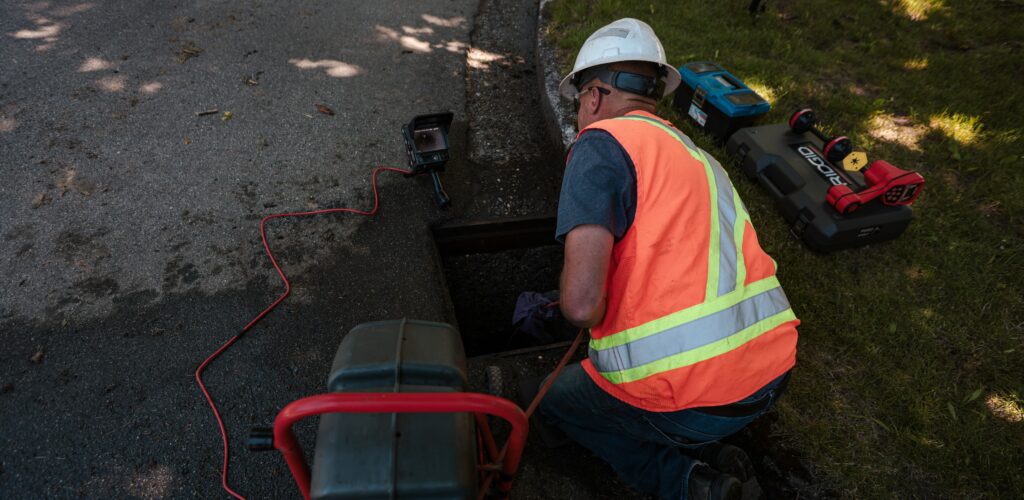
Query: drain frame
{"points": [[488, 236]]}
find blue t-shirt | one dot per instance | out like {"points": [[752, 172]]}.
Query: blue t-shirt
{"points": [[599, 186]]}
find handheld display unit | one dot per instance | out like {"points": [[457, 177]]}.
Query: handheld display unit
{"points": [[717, 101], [426, 144]]}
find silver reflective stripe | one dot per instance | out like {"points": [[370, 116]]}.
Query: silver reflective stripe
{"points": [[727, 264], [727, 259], [691, 335]]}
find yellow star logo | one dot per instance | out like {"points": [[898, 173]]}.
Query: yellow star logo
{"points": [[855, 161]]}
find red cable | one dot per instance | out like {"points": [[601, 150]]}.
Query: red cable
{"points": [[216, 414], [287, 290]]}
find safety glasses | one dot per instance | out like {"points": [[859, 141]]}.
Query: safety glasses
{"points": [[576, 96]]}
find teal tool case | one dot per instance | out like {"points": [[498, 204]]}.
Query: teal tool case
{"points": [[717, 101]]}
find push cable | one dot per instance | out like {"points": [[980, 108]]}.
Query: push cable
{"points": [[287, 290]]}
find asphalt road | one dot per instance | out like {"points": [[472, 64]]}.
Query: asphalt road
{"points": [[129, 231]]}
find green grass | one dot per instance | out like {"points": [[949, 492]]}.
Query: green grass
{"points": [[911, 365]]}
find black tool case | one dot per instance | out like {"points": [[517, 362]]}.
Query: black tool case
{"points": [[793, 169]]}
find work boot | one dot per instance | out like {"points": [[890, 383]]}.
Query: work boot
{"points": [[729, 459], [708, 484]]}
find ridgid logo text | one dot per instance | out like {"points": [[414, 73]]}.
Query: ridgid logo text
{"points": [[821, 166]]}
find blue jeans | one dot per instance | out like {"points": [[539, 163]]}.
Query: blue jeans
{"points": [[642, 446]]}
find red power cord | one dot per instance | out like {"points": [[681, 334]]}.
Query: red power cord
{"points": [[287, 290]]}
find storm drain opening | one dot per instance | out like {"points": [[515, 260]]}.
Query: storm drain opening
{"points": [[487, 265]]}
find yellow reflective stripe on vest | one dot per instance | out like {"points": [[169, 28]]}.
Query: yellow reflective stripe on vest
{"points": [[725, 251], [687, 315], [692, 343]]}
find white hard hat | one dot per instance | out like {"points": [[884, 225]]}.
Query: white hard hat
{"points": [[627, 39]]}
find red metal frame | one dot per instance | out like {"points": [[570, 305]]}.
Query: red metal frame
{"points": [[507, 461]]}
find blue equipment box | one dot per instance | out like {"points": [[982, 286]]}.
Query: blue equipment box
{"points": [[717, 101]]}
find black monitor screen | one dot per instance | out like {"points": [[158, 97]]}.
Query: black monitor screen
{"points": [[429, 139]]}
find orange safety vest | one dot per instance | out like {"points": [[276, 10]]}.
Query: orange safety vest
{"points": [[695, 316]]}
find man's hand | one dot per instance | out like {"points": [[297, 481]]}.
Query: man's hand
{"points": [[588, 251]]}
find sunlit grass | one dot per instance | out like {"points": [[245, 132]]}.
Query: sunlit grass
{"points": [[763, 90], [1006, 407], [899, 130], [918, 63], [918, 10], [961, 128]]}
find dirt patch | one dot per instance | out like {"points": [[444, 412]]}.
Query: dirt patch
{"points": [[897, 129]]}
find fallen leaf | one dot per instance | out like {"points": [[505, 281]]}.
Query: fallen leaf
{"points": [[187, 141], [325, 110], [67, 182], [37, 357], [188, 51], [41, 199], [226, 117]]}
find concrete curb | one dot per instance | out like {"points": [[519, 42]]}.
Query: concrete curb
{"points": [[558, 116]]}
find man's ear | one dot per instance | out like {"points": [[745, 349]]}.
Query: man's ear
{"points": [[595, 103]]}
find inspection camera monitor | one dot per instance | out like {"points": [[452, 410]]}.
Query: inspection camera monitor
{"points": [[426, 142]]}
